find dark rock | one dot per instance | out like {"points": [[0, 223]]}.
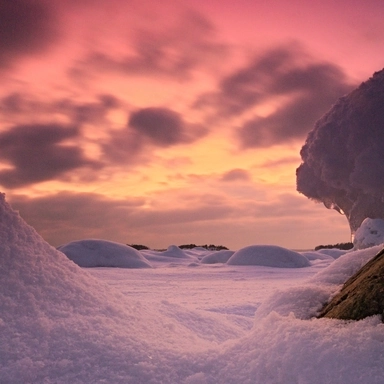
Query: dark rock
{"points": [[362, 295]]}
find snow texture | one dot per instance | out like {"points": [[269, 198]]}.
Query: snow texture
{"points": [[173, 324], [268, 255], [369, 234], [102, 253]]}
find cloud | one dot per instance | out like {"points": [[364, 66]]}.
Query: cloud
{"points": [[163, 126], [67, 216], [129, 144], [173, 47], [152, 126], [236, 174], [22, 107], [27, 27], [38, 153], [91, 112], [278, 75], [184, 218], [291, 161]]}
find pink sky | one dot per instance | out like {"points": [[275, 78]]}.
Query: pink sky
{"points": [[178, 121]]}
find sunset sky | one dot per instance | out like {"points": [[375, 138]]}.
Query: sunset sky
{"points": [[175, 122]]}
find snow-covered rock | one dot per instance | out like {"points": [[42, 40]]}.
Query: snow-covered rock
{"points": [[103, 253], [369, 234], [269, 256], [345, 266]]}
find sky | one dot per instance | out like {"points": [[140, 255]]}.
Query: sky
{"points": [[175, 122]]}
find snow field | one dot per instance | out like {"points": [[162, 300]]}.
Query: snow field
{"points": [[179, 322]]}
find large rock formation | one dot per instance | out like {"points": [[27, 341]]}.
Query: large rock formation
{"points": [[362, 295]]}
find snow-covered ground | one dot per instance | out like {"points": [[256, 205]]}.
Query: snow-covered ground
{"points": [[181, 321]]}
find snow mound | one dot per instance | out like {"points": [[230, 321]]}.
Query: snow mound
{"points": [[284, 349], [59, 324], [335, 253], [339, 271], [103, 253], [269, 256], [217, 257], [315, 255], [369, 234], [303, 302], [176, 252]]}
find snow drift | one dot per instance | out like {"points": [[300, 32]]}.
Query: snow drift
{"points": [[269, 256], [59, 324], [103, 253]]}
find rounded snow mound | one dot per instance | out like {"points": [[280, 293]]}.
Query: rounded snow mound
{"points": [[315, 255], [268, 256], [175, 251], [217, 257], [333, 252], [103, 253], [369, 234]]}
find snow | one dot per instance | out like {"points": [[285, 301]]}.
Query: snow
{"points": [[102, 253], [217, 257], [215, 323], [333, 252], [345, 266], [370, 233], [268, 255]]}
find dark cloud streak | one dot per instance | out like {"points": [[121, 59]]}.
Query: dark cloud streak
{"points": [[146, 127], [163, 126], [36, 153], [236, 174], [288, 73]]}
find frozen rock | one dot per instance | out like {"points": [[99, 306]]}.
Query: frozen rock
{"points": [[362, 295]]}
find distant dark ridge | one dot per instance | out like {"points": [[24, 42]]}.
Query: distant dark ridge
{"points": [[210, 247], [343, 246], [139, 247]]}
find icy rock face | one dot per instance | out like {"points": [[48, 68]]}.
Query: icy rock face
{"points": [[343, 157], [370, 233], [103, 253], [268, 256]]}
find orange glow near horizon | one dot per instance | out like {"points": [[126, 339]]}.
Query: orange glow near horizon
{"points": [[213, 88]]}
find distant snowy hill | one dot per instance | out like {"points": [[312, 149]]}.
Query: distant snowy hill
{"points": [[102, 253]]}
